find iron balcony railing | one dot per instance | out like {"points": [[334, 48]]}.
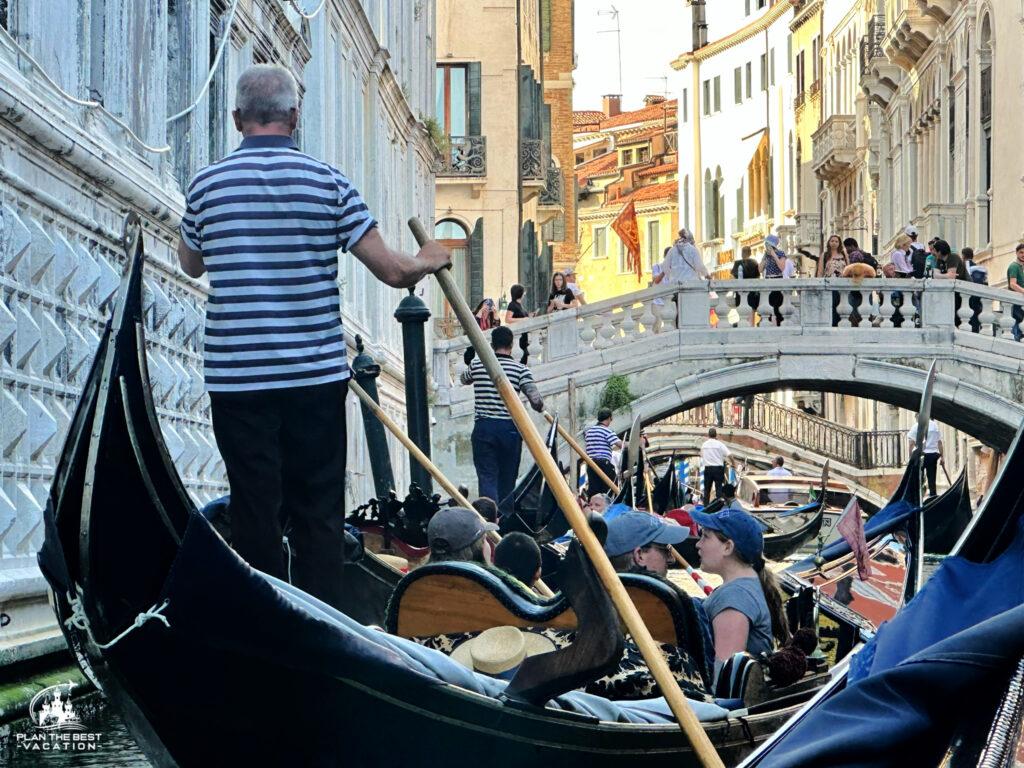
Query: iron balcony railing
{"points": [[466, 156], [531, 160], [553, 193]]}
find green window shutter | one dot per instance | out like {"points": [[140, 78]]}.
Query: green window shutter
{"points": [[476, 263], [473, 93]]}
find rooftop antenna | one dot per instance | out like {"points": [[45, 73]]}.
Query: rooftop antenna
{"points": [[614, 13]]}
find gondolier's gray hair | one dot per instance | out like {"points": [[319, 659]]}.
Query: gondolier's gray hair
{"points": [[266, 93]]}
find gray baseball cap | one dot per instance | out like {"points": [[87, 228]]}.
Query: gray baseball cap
{"points": [[452, 528]]}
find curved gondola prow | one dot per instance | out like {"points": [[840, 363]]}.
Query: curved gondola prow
{"points": [[529, 513], [124, 434], [780, 545]]}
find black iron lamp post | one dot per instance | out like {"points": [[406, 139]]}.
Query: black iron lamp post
{"points": [[413, 314]]}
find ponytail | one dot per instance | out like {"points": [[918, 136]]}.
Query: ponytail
{"points": [[772, 595]]}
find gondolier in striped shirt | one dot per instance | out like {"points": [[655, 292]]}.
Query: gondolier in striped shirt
{"points": [[266, 222], [497, 444], [601, 441]]}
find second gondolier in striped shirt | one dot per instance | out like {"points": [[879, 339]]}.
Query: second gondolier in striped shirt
{"points": [[600, 442], [497, 444], [267, 222]]}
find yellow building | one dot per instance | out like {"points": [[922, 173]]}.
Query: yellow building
{"points": [[622, 156]]}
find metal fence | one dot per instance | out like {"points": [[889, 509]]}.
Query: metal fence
{"points": [[861, 449]]}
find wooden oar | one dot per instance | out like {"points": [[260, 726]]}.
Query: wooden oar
{"points": [[592, 465], [688, 721], [428, 465]]}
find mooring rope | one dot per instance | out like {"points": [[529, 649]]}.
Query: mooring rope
{"points": [[79, 620]]}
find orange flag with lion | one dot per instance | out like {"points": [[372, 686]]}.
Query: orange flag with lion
{"points": [[626, 228]]}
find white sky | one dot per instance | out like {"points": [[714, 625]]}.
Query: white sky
{"points": [[652, 33]]}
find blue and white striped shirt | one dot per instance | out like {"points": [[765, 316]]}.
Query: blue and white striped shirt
{"points": [[269, 221], [600, 441]]}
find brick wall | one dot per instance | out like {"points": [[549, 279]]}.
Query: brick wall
{"points": [[558, 66]]}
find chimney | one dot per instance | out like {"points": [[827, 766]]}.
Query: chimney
{"points": [[699, 24], [652, 98], [610, 105]]}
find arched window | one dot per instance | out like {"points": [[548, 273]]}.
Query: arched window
{"points": [[453, 236], [985, 118]]}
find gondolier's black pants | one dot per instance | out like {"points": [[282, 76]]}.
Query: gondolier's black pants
{"points": [[284, 450], [931, 465], [594, 482], [713, 476]]}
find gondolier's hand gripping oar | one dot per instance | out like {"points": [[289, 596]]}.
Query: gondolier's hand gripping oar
{"points": [[593, 467], [655, 661], [427, 464]]}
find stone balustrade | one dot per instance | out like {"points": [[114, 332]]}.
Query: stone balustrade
{"points": [[735, 308]]}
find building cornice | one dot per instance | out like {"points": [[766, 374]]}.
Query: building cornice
{"points": [[803, 15], [773, 14]]}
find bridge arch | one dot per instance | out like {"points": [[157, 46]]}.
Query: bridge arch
{"points": [[970, 408]]}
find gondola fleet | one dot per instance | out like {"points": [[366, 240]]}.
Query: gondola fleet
{"points": [[212, 663]]}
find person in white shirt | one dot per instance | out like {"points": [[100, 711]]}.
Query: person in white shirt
{"points": [[571, 284], [779, 470], [932, 451], [683, 261], [714, 454]]}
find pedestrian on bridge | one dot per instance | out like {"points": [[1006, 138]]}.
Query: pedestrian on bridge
{"points": [[1015, 282], [267, 222], [497, 444], [714, 454], [600, 442]]}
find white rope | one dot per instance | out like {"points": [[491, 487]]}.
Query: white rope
{"points": [[79, 620], [213, 69], [304, 15], [73, 100]]}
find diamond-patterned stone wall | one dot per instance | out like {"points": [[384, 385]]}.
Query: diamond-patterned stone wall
{"points": [[56, 287]]}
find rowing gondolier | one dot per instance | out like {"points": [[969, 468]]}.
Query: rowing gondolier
{"points": [[497, 444], [266, 222], [931, 450], [601, 441]]}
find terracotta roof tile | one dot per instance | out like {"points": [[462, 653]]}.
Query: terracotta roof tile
{"points": [[587, 117], [601, 164], [658, 170], [653, 112], [666, 190]]}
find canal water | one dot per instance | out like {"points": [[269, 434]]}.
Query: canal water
{"points": [[113, 745]]}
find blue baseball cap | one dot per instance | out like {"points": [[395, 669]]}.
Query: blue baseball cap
{"points": [[744, 529], [633, 529]]}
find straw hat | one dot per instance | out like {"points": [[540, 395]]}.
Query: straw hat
{"points": [[498, 650]]}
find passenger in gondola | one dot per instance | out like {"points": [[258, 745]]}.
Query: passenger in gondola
{"points": [[519, 556], [746, 610], [729, 497], [638, 542], [457, 534], [598, 504], [274, 356]]}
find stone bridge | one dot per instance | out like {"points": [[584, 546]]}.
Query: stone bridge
{"points": [[872, 338]]}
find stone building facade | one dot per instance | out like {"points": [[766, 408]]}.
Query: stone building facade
{"points": [[86, 93], [498, 199]]}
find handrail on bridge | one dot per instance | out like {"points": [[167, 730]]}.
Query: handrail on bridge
{"points": [[861, 449]]}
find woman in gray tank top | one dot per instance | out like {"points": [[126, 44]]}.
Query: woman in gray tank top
{"points": [[746, 611]]}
